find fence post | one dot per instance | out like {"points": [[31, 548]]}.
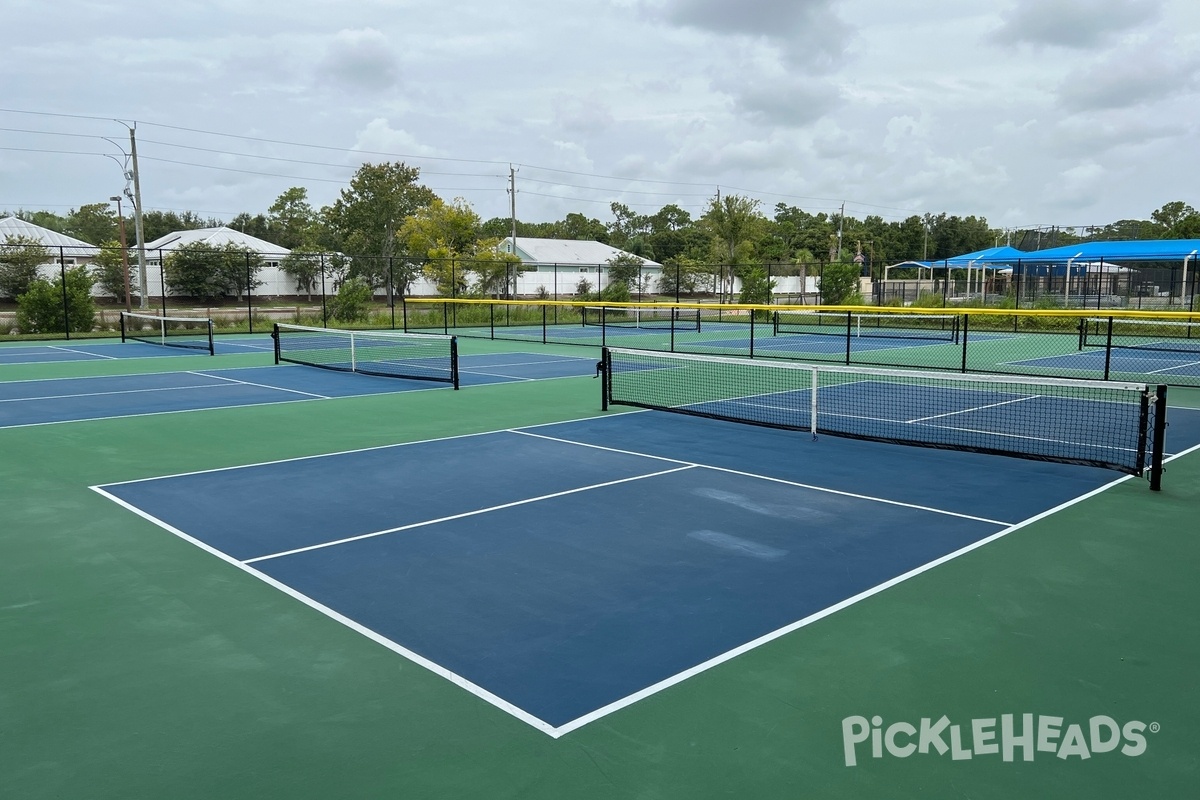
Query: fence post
{"points": [[62, 273], [249, 295], [324, 306]]}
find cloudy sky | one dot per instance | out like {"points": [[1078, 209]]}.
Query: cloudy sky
{"points": [[1027, 112]]}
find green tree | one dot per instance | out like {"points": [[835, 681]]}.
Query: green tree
{"points": [[20, 257], [839, 284], [205, 272], [367, 215], [108, 267], [304, 266], [1177, 220], [680, 276], [93, 223], [156, 224], [292, 219], [733, 222], [626, 269], [353, 301], [756, 289], [40, 308]]}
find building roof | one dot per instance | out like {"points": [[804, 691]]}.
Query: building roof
{"points": [[13, 226], [217, 237], [567, 252]]}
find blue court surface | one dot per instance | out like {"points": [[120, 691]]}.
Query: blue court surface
{"points": [[564, 571], [1141, 362], [87, 350], [35, 402]]}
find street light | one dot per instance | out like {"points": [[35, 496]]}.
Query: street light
{"points": [[124, 250]]}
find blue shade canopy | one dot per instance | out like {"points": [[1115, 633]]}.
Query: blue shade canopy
{"points": [[1094, 252], [1136, 250]]}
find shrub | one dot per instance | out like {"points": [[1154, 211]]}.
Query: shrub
{"points": [[352, 302], [40, 308]]}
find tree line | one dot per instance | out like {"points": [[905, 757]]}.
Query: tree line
{"points": [[386, 229]]}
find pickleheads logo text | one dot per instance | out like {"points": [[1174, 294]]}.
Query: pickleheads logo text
{"points": [[1029, 735]]}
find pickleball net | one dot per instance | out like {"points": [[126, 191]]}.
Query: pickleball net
{"points": [[654, 318], [933, 327], [193, 333], [1106, 424], [1178, 336], [417, 356]]}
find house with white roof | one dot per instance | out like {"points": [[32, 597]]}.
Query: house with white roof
{"points": [[60, 248], [558, 265], [274, 281]]}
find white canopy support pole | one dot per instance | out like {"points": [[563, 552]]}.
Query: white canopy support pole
{"points": [[1183, 295], [1067, 289]]}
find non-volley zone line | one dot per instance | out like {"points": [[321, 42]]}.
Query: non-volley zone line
{"points": [[532, 588]]}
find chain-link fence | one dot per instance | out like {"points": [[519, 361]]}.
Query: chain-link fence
{"points": [[78, 291]]}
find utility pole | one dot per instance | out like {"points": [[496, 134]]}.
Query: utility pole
{"points": [[137, 224], [841, 222], [124, 250], [512, 191]]}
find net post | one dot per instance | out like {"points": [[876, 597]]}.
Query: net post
{"points": [[275, 340], [122, 327], [212, 349], [454, 361], [1108, 349], [966, 318], [849, 322], [353, 354], [1082, 326], [545, 331], [812, 402], [751, 335], [605, 368], [1160, 433]]}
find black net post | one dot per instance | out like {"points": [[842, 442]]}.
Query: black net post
{"points": [[605, 368], [965, 320], [122, 327], [275, 341], [162, 283], [849, 326], [1160, 433], [1108, 349], [454, 361]]}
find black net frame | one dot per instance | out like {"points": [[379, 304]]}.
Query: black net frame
{"points": [[192, 333], [1108, 424], [934, 327], [653, 318], [414, 356]]}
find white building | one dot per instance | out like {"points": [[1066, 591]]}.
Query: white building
{"points": [[558, 265], [274, 281], [68, 250]]}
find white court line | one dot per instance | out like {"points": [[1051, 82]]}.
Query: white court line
{"points": [[976, 408], [78, 352], [258, 385], [463, 515], [119, 391], [770, 479], [419, 660]]}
